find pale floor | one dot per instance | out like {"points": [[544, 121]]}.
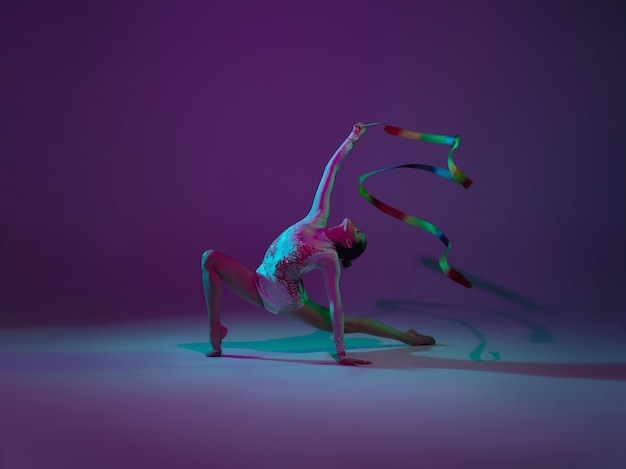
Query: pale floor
{"points": [[497, 391]]}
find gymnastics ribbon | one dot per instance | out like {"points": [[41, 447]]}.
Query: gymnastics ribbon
{"points": [[453, 173]]}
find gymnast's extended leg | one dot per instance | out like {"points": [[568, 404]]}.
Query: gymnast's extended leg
{"points": [[318, 316], [216, 269]]}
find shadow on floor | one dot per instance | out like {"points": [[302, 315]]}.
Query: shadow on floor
{"points": [[317, 341], [398, 357]]}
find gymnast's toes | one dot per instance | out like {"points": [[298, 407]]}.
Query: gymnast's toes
{"points": [[420, 339]]}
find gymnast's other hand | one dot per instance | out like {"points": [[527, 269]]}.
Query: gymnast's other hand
{"points": [[353, 361]]}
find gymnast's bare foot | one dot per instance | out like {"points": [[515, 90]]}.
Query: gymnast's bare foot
{"points": [[415, 338], [217, 351]]}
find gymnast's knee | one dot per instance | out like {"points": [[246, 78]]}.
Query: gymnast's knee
{"points": [[209, 258]]}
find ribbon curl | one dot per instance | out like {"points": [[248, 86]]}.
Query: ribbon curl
{"points": [[453, 173]]}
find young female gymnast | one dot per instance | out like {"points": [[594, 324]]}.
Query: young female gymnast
{"points": [[277, 283]]}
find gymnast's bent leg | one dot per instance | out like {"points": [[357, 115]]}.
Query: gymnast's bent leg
{"points": [[216, 269]]}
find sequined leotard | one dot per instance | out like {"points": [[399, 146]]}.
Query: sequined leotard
{"points": [[297, 251]]}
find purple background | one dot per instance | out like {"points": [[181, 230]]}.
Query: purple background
{"points": [[135, 135]]}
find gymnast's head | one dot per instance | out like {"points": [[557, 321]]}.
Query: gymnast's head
{"points": [[349, 241]]}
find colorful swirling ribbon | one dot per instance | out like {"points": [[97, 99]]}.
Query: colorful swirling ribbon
{"points": [[453, 173]]}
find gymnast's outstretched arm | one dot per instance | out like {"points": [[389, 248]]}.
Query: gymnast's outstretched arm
{"points": [[320, 209], [331, 273]]}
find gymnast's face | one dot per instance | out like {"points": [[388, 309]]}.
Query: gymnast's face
{"points": [[352, 231]]}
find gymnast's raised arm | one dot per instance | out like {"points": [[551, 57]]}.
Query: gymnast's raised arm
{"points": [[320, 209]]}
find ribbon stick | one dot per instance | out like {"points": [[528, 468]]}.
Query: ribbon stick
{"points": [[453, 173]]}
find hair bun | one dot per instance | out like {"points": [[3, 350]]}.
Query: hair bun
{"points": [[346, 263]]}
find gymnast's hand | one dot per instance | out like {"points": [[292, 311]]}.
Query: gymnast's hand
{"points": [[353, 361], [357, 130]]}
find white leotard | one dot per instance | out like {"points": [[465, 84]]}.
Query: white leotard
{"points": [[297, 251]]}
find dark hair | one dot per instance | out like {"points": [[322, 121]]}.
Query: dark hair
{"points": [[347, 255]]}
